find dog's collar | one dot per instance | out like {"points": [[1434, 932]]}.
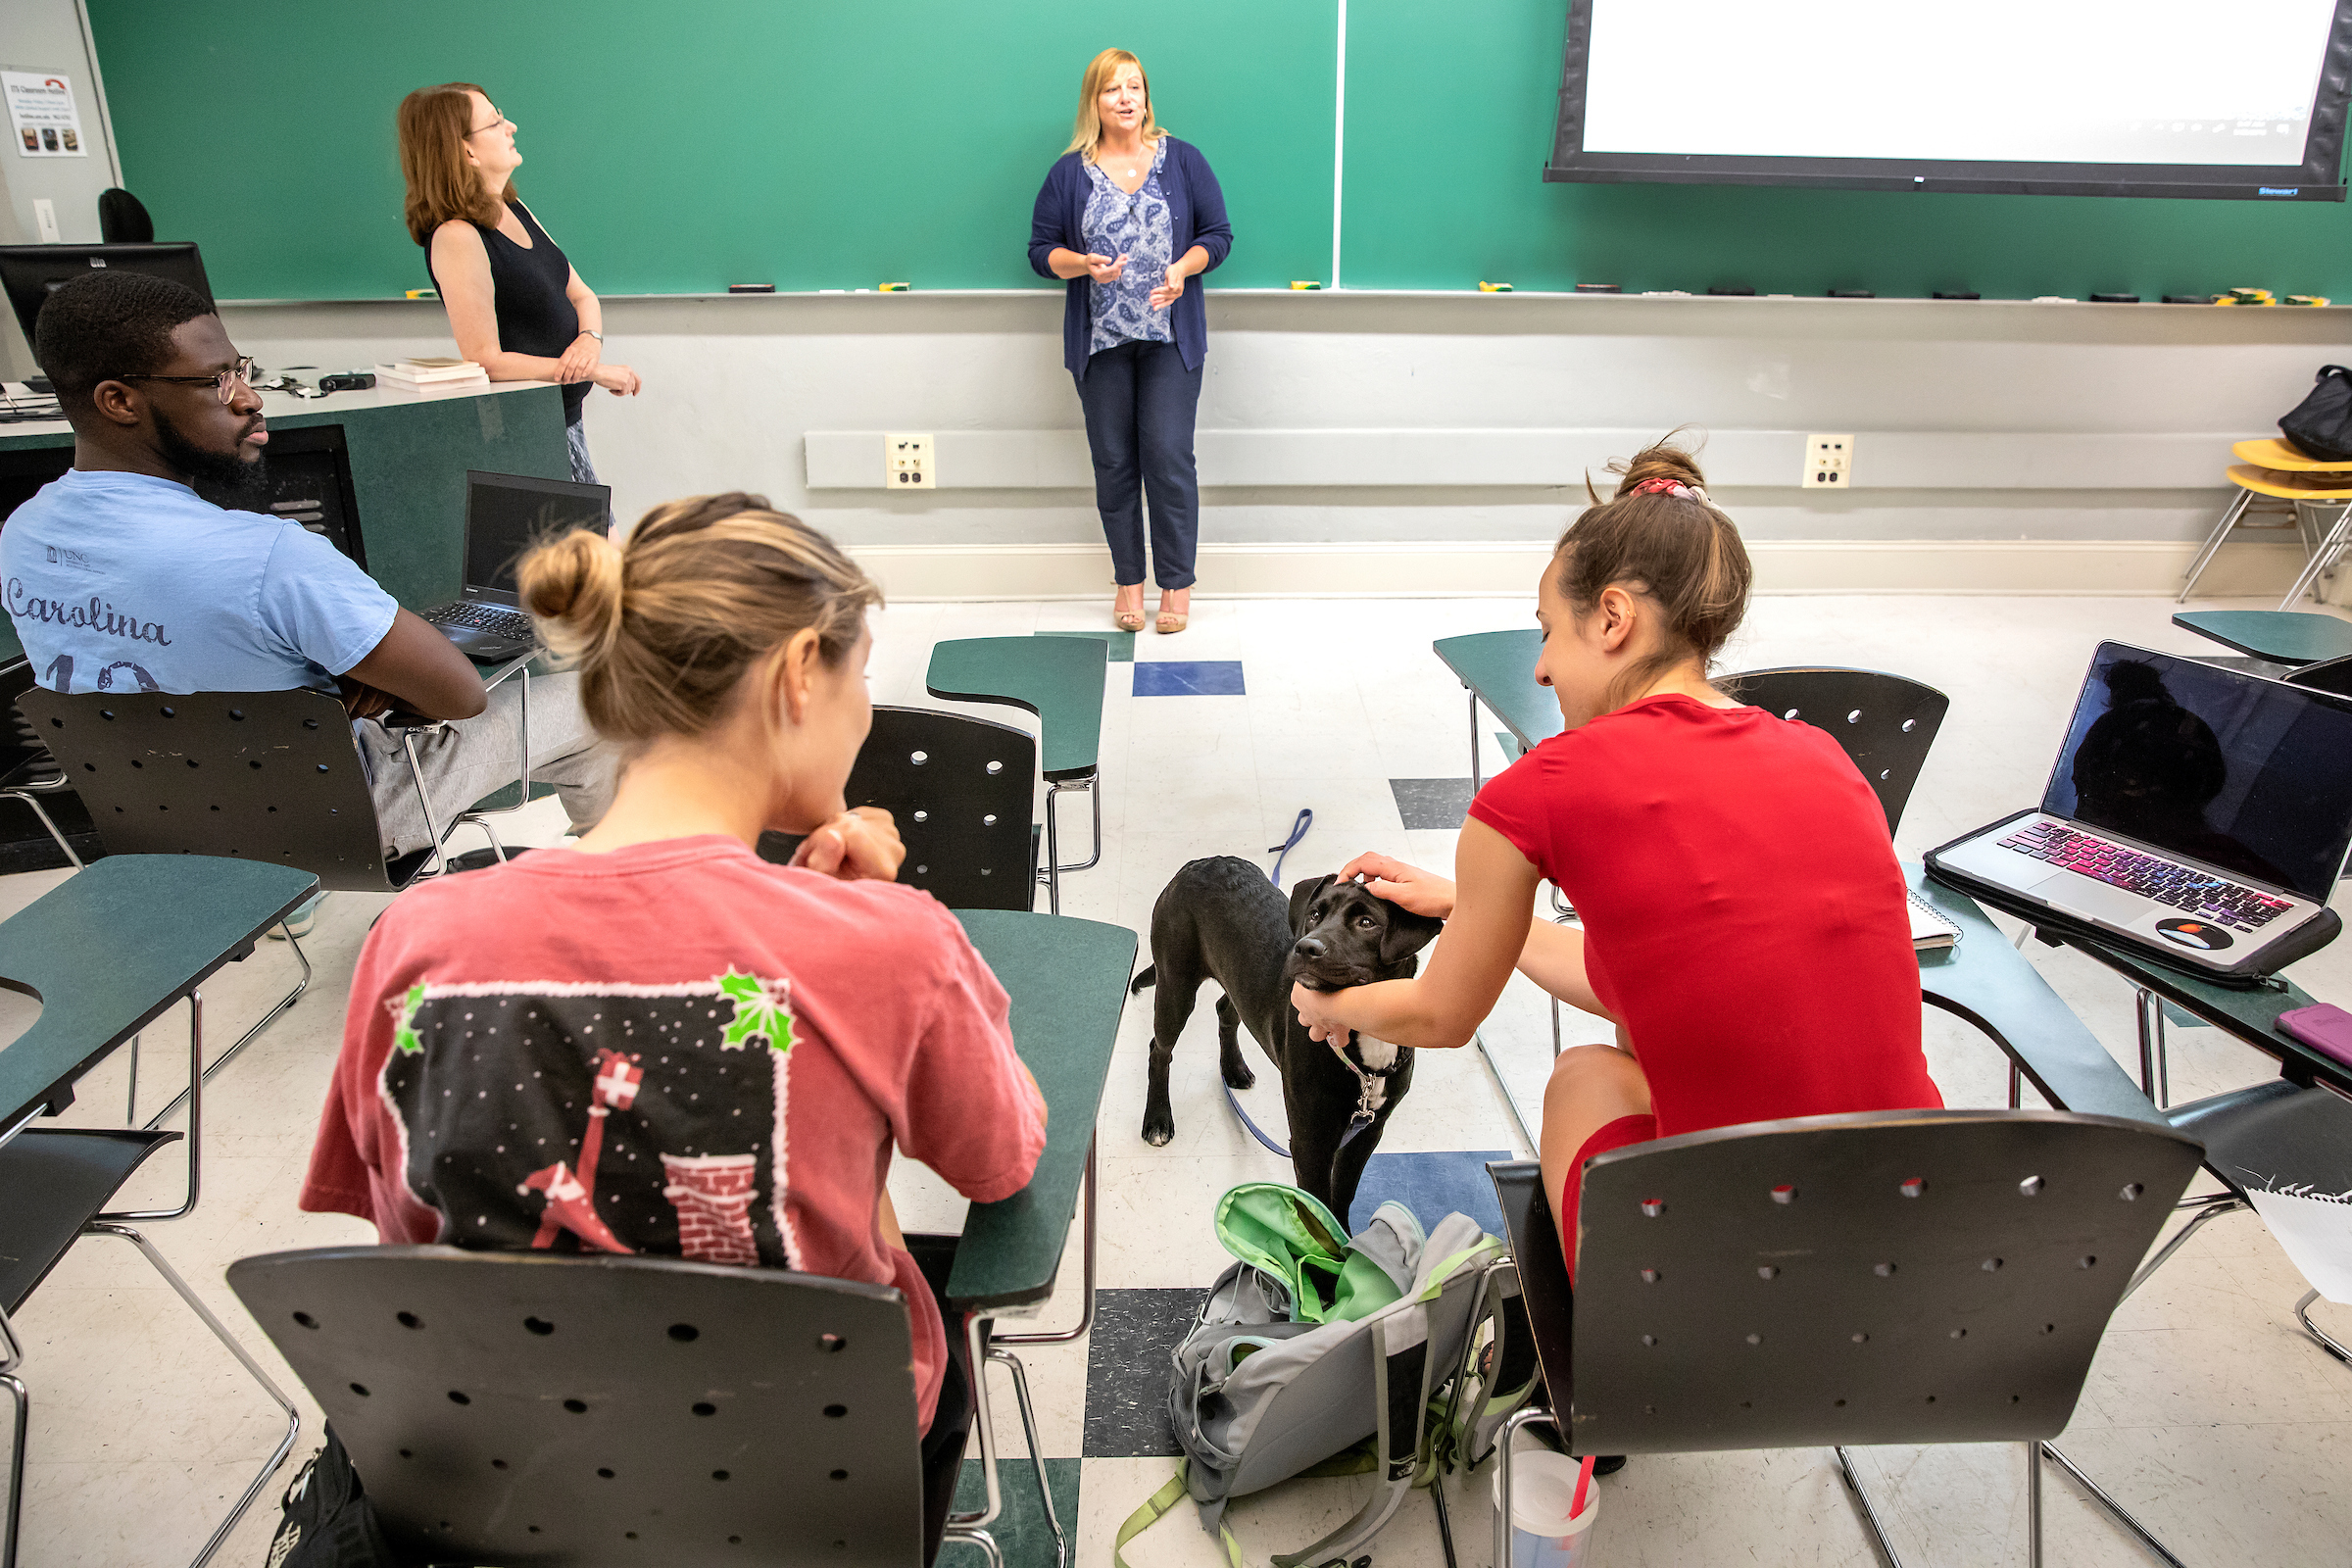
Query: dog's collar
{"points": [[1371, 1084]]}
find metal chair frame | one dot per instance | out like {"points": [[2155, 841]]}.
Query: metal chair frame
{"points": [[12, 1360], [2248, 502]]}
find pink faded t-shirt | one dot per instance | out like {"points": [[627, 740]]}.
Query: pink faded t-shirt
{"points": [[675, 1048]]}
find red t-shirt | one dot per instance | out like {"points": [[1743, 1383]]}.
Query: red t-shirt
{"points": [[675, 1048], [1743, 907]]}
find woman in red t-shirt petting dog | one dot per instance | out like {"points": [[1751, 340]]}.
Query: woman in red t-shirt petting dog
{"points": [[1744, 914]]}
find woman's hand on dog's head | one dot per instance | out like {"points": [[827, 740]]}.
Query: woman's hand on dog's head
{"points": [[1408, 887], [857, 846]]}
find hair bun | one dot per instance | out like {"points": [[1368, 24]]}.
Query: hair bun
{"points": [[571, 585], [1663, 460]]}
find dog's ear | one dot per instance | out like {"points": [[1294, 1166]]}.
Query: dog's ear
{"points": [[1303, 894], [1407, 933]]}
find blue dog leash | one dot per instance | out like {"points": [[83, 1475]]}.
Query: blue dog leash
{"points": [[1281, 852]]}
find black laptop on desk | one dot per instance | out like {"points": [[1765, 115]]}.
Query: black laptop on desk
{"points": [[2198, 815], [506, 513]]}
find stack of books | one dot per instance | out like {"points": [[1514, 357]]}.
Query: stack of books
{"points": [[430, 374]]}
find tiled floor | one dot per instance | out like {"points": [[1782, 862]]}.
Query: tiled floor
{"points": [[2206, 1410]]}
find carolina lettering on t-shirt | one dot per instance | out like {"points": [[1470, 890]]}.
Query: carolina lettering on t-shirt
{"points": [[96, 616]]}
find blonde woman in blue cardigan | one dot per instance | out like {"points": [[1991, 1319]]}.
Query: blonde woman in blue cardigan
{"points": [[1128, 218]]}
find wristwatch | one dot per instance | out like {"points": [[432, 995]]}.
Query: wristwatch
{"points": [[599, 336]]}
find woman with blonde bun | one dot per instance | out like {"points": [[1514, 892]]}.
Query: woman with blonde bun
{"points": [[656, 1042]]}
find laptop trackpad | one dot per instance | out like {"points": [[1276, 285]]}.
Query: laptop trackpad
{"points": [[2081, 895]]}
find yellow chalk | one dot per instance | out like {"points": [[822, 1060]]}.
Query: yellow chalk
{"points": [[1300, 284], [896, 288], [1493, 288]]}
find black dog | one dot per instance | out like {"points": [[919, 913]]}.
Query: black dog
{"points": [[1221, 919]]}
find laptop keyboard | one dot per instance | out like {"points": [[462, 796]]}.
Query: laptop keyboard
{"points": [[2199, 893], [494, 618]]}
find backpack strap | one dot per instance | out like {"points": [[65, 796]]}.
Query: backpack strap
{"points": [[1154, 1508], [1401, 1373]]}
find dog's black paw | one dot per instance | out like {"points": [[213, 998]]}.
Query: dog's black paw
{"points": [[1237, 1073], [1160, 1122]]}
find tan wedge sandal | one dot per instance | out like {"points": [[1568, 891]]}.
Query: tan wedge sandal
{"points": [[1169, 622], [1131, 620]]}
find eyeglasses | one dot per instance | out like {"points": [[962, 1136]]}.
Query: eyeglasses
{"points": [[492, 126], [224, 382]]}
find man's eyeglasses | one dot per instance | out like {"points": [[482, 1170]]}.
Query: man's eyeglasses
{"points": [[224, 382]]}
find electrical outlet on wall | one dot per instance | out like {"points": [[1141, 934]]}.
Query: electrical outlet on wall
{"points": [[907, 462], [1829, 462], [44, 218]]}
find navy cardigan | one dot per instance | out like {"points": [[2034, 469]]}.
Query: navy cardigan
{"points": [[1196, 217]]}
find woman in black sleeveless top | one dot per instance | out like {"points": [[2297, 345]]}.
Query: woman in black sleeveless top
{"points": [[516, 306]]}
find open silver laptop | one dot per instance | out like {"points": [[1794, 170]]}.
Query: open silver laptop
{"points": [[506, 513], [2199, 811]]}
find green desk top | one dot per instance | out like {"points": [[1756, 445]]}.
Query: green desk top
{"points": [[1068, 982], [1984, 980], [110, 948], [1059, 679], [1499, 668], [2251, 1015], [2281, 636]]}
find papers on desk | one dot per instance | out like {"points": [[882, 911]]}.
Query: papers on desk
{"points": [[2315, 1229], [430, 374], [1929, 926]]}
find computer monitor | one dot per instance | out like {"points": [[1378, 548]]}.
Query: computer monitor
{"points": [[507, 514], [32, 272]]}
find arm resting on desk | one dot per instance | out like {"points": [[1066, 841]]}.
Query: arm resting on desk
{"points": [[419, 668]]}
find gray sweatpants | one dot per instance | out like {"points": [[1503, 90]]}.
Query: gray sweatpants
{"points": [[466, 760]]}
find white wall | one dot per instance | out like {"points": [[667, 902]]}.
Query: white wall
{"points": [[1329, 421], [48, 35]]}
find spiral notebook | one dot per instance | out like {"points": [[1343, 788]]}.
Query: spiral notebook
{"points": [[1930, 927]]}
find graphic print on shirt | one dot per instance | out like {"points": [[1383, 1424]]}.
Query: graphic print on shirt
{"points": [[582, 1116]]}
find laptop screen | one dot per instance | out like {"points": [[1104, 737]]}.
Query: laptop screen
{"points": [[506, 513], [2241, 772]]}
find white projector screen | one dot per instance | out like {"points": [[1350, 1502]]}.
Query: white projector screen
{"points": [[2072, 96]]}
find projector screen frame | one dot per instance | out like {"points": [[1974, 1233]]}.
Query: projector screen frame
{"points": [[2318, 179]]}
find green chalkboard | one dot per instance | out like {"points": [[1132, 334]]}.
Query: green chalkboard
{"points": [[1450, 115], [680, 148]]}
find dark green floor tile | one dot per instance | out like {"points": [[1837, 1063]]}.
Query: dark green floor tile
{"points": [[1020, 1530], [1122, 643]]}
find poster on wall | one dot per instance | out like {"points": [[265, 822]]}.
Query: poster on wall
{"points": [[41, 115]]}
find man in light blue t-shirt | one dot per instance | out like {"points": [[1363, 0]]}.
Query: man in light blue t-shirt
{"points": [[119, 577]]}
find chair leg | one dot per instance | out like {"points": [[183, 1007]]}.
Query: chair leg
{"points": [[12, 1356], [1502, 1469], [1510, 1098], [130, 1105], [1870, 1513], [975, 1341], [277, 1009], [43, 811], [2303, 1317], [1477, 779], [1037, 1453], [2197, 568], [1086, 1315], [2215, 1205], [972, 1535], [194, 1096], [2321, 558], [286, 1444], [2098, 1494], [2155, 1069]]}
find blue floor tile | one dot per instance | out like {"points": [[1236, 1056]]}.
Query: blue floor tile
{"points": [[1433, 1185], [1179, 678]]}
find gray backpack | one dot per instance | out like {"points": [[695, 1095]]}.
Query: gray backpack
{"points": [[1310, 1346]]}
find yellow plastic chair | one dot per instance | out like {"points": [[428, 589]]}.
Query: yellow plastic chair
{"points": [[2316, 501]]}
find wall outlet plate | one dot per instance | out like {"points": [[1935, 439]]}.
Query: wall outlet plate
{"points": [[44, 218], [1829, 462], [907, 462]]}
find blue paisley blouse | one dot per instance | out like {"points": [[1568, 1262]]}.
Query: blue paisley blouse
{"points": [[1136, 224]]}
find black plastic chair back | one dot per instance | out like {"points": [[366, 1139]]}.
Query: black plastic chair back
{"points": [[1910, 1277], [522, 1408], [253, 775], [122, 218], [2333, 675], [960, 790], [1885, 722]]}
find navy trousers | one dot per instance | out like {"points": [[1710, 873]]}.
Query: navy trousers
{"points": [[1140, 402]]}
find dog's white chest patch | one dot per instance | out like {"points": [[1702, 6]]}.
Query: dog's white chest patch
{"points": [[1379, 1054]]}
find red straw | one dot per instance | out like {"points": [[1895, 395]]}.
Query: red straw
{"points": [[1584, 1484]]}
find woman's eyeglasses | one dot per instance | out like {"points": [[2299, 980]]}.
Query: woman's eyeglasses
{"points": [[492, 126], [224, 382]]}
